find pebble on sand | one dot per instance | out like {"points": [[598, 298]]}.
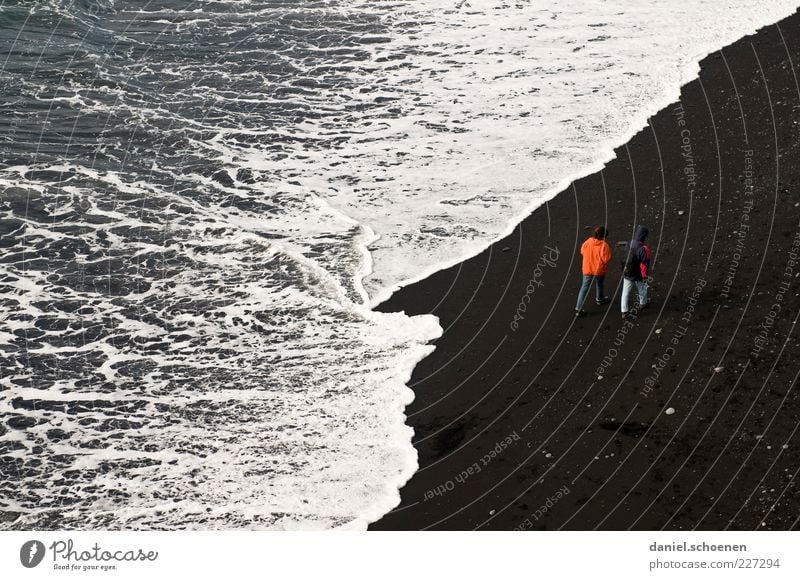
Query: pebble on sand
{"points": [[670, 411]]}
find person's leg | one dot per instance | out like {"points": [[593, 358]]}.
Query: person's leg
{"points": [[641, 290], [599, 282], [587, 281], [626, 294]]}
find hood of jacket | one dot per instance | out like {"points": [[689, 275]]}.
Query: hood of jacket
{"points": [[639, 237]]}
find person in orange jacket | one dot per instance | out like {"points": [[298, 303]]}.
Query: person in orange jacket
{"points": [[596, 255]]}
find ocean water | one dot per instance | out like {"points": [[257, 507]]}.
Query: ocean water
{"points": [[200, 202]]}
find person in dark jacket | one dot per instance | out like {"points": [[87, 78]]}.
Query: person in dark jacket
{"points": [[636, 270], [596, 255]]}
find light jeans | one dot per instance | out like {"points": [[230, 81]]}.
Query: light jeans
{"points": [[641, 290], [587, 281]]}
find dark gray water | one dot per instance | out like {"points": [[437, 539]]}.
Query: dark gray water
{"points": [[166, 320]]}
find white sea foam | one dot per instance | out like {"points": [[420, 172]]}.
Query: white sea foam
{"points": [[516, 102]]}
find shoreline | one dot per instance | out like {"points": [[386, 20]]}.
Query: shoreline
{"points": [[601, 162], [601, 451]]}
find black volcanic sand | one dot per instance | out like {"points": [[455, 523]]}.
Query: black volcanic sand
{"points": [[514, 427]]}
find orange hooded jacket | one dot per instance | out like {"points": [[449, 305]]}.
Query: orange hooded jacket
{"points": [[596, 256]]}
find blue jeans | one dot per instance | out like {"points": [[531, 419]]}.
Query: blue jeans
{"points": [[627, 287], [587, 281]]}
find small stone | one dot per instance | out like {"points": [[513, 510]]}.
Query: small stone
{"points": [[670, 411], [681, 212], [599, 377], [719, 369], [548, 455], [658, 331], [505, 248], [491, 512]]}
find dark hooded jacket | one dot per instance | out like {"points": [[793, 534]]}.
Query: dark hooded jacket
{"points": [[637, 263]]}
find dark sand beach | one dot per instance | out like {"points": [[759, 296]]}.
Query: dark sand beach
{"points": [[515, 427]]}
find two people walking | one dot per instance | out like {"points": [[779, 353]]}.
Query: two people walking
{"points": [[636, 269]]}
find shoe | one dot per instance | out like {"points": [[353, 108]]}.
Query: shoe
{"points": [[604, 300], [579, 313]]}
